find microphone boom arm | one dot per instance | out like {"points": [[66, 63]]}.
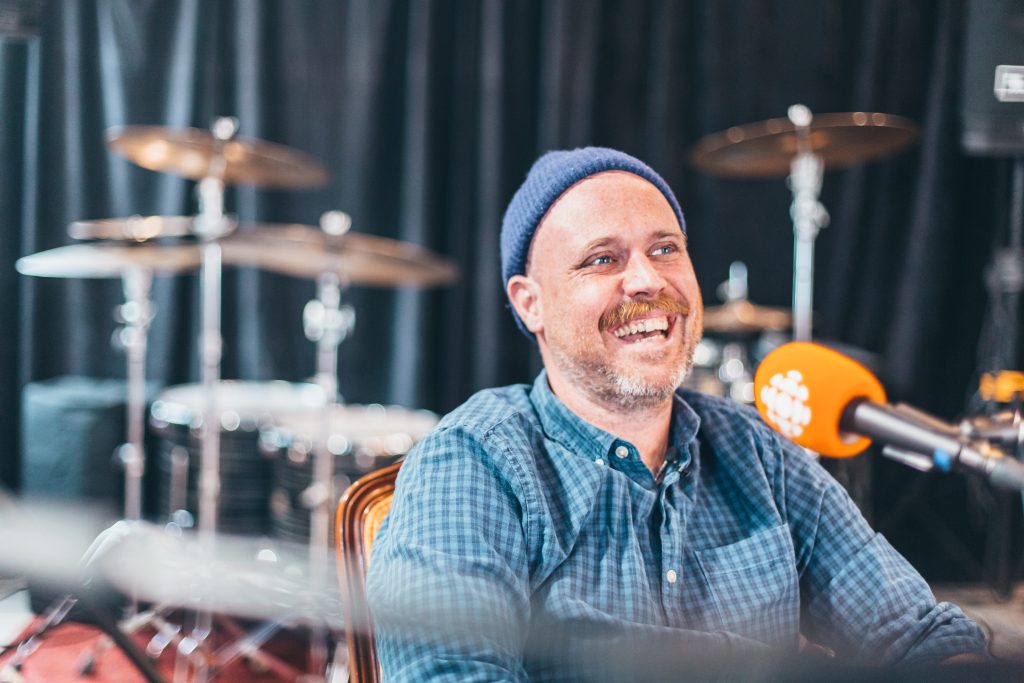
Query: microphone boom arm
{"points": [[909, 432]]}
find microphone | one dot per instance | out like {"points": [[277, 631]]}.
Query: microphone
{"points": [[829, 403]]}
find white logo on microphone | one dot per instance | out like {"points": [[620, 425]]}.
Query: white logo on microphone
{"points": [[785, 399]]}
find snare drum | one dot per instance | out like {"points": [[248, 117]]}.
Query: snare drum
{"points": [[361, 439], [246, 408]]}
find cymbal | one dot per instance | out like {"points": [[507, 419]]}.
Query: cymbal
{"points": [[766, 149], [306, 252], [106, 260], [190, 153], [741, 316], [297, 250], [133, 228]]}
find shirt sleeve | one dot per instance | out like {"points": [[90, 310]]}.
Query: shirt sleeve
{"points": [[861, 597], [448, 582]]}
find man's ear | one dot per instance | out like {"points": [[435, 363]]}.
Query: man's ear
{"points": [[524, 293]]}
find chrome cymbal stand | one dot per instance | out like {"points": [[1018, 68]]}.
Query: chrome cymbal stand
{"points": [[211, 225], [327, 323], [135, 315], [809, 216]]}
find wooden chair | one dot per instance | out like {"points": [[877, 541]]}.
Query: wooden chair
{"points": [[361, 511]]}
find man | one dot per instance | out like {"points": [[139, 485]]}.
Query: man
{"points": [[548, 531]]}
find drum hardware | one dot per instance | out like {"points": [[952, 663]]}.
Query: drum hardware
{"points": [[367, 260], [766, 149], [288, 249], [110, 260], [737, 330], [738, 315], [809, 216], [198, 154], [213, 158], [248, 409], [327, 324], [135, 316], [363, 438], [133, 228], [331, 255], [210, 226], [801, 147]]}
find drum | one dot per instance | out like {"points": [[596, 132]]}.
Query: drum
{"points": [[361, 439], [246, 409]]}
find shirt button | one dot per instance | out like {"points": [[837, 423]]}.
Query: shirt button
{"points": [[671, 575], [622, 452], [599, 461]]}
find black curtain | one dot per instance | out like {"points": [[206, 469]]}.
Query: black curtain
{"points": [[428, 114]]}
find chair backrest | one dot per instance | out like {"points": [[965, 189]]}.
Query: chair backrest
{"points": [[361, 511]]}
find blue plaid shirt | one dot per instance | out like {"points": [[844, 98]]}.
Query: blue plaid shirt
{"points": [[520, 532]]}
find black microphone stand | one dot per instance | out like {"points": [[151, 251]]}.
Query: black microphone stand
{"points": [[1004, 281]]}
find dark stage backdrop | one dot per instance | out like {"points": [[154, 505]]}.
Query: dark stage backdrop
{"points": [[428, 114]]}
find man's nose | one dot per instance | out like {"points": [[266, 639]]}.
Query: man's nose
{"points": [[642, 277]]}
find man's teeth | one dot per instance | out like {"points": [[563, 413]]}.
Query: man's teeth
{"points": [[649, 325]]}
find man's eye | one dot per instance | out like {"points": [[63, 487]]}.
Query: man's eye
{"points": [[664, 249], [598, 261]]}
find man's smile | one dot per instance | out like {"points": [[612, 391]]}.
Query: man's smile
{"points": [[653, 327]]}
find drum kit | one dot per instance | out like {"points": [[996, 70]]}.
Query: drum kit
{"points": [[238, 429], [798, 147]]}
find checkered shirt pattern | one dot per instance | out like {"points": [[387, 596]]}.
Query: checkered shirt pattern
{"points": [[519, 533]]}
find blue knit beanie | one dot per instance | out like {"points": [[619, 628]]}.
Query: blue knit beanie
{"points": [[550, 176]]}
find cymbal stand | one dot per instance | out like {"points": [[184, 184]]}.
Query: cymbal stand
{"points": [[326, 322], [210, 226], [135, 314], [808, 215]]}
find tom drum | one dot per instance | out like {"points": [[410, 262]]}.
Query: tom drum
{"points": [[246, 409]]}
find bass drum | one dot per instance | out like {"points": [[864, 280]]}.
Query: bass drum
{"points": [[361, 439], [246, 409]]}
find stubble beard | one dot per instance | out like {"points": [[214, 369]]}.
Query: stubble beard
{"points": [[616, 387]]}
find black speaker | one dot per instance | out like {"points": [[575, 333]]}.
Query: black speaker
{"points": [[70, 429], [995, 36]]}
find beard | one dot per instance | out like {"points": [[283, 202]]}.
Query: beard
{"points": [[627, 388]]}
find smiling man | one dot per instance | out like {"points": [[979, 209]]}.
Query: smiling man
{"points": [[604, 515]]}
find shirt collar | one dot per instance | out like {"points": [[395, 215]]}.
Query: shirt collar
{"points": [[581, 437], [565, 426]]}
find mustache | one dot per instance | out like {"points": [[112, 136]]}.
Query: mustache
{"points": [[631, 309]]}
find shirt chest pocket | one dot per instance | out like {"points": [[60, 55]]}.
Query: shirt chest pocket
{"points": [[753, 587]]}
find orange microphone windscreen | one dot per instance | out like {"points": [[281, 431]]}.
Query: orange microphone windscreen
{"points": [[801, 390]]}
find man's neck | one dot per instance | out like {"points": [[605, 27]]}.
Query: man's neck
{"points": [[647, 428]]}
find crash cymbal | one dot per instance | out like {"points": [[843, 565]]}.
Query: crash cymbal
{"points": [[133, 228], [106, 260], [741, 316], [306, 252], [766, 149], [190, 153]]}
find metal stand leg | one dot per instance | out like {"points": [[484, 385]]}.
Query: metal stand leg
{"points": [[327, 323], [211, 225], [809, 216]]}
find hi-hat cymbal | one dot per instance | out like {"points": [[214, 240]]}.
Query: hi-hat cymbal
{"points": [[306, 252], [191, 152], [766, 149], [105, 260], [133, 228], [741, 316]]}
